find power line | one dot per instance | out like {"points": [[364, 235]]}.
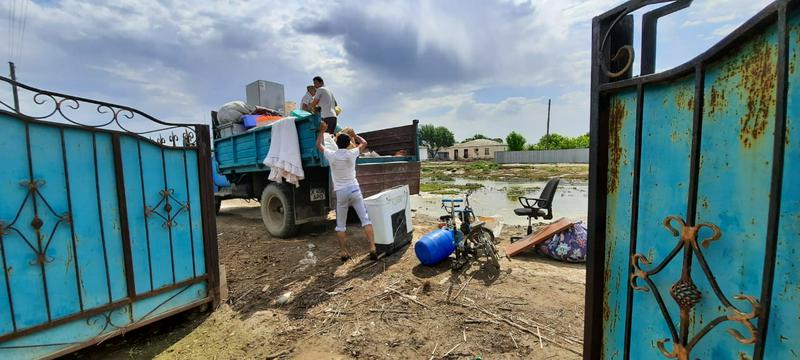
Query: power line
{"points": [[24, 24], [12, 17]]}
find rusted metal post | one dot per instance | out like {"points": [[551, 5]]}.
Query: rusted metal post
{"points": [[548, 117], [12, 69]]}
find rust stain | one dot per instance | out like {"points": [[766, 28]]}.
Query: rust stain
{"points": [[685, 98], [759, 82], [794, 31], [716, 101], [757, 72], [616, 116]]}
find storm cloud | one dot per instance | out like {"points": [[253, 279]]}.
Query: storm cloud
{"points": [[474, 66]]}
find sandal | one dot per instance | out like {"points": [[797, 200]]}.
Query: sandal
{"points": [[373, 255]]}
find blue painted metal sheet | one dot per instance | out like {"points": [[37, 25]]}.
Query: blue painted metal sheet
{"points": [[139, 232], [733, 185], [663, 188], [783, 330], [84, 259], [713, 274], [622, 123]]}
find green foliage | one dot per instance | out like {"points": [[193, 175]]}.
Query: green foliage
{"points": [[515, 141], [436, 137], [558, 141], [482, 165], [447, 189], [481, 136]]}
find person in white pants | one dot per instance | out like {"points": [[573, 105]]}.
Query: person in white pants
{"points": [[348, 193]]}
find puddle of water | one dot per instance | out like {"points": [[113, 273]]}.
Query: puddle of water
{"points": [[571, 200]]}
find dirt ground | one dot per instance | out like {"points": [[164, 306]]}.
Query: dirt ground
{"points": [[394, 308]]}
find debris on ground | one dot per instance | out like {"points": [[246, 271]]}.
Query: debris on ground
{"points": [[393, 308]]}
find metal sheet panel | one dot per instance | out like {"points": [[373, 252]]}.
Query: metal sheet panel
{"points": [[663, 188], [733, 191], [375, 178], [783, 333], [580, 156], [622, 129], [737, 284], [267, 94], [90, 217]]}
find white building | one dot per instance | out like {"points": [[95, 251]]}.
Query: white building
{"points": [[475, 149]]}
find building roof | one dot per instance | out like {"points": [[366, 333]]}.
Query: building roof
{"points": [[478, 143]]}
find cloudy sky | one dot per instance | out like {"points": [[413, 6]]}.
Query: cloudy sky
{"points": [[474, 66]]}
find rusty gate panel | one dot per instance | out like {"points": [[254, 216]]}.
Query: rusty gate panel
{"points": [[783, 333], [668, 109], [694, 210], [622, 134]]}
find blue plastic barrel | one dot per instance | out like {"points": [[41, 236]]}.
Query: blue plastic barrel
{"points": [[435, 247]]}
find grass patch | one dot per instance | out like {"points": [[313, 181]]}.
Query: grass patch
{"points": [[440, 177], [447, 189], [513, 193], [482, 165]]}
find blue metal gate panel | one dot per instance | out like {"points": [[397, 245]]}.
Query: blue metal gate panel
{"points": [[694, 241], [668, 109], [784, 319], [101, 230], [622, 117]]}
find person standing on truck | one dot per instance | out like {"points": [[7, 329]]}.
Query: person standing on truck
{"points": [[327, 103], [305, 103], [348, 193]]}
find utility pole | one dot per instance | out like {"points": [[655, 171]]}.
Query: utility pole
{"points": [[12, 70], [548, 117]]}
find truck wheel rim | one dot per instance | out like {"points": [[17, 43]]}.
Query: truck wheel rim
{"points": [[275, 211]]}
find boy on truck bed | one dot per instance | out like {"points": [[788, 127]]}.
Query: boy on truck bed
{"points": [[348, 192]]}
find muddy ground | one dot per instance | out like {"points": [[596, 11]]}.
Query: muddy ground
{"points": [[394, 308]]}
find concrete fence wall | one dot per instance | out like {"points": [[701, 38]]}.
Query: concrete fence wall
{"points": [[542, 156]]}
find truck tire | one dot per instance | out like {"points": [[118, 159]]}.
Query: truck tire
{"points": [[277, 210], [217, 204]]}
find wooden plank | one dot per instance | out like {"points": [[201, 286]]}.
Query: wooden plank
{"points": [[538, 237]]}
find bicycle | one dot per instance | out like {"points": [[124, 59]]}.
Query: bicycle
{"points": [[478, 241]]}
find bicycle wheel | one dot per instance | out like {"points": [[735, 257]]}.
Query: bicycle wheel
{"points": [[483, 240]]}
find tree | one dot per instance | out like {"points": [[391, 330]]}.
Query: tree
{"points": [[475, 137], [558, 141], [515, 141], [435, 138], [481, 136]]}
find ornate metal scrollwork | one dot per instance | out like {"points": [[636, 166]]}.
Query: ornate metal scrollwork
{"points": [[687, 295], [169, 218], [649, 20], [42, 242], [117, 117]]}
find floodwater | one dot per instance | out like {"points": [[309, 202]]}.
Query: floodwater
{"points": [[571, 199]]}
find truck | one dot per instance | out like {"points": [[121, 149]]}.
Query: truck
{"points": [[284, 207]]}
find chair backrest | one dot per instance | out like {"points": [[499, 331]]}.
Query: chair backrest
{"points": [[548, 193]]}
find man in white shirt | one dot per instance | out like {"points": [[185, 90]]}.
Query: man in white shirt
{"points": [[327, 103], [305, 103], [348, 193]]}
